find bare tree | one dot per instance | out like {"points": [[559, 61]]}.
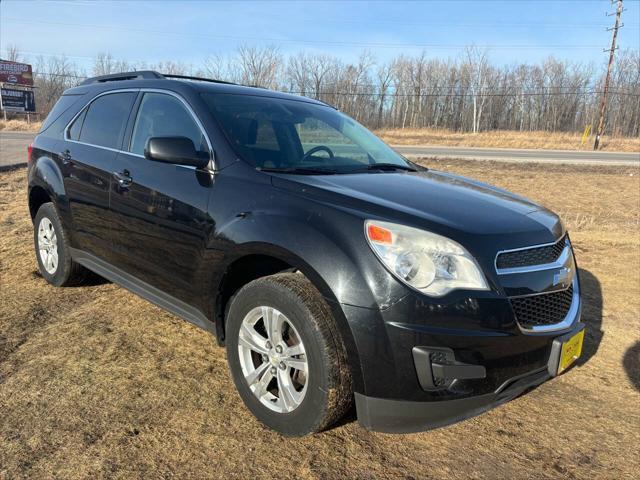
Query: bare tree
{"points": [[298, 73], [13, 53], [465, 94], [105, 64], [384, 78], [477, 63], [216, 67], [319, 68], [52, 77], [260, 66], [171, 67]]}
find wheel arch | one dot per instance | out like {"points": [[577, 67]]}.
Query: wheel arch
{"points": [[259, 260], [46, 184], [38, 196]]}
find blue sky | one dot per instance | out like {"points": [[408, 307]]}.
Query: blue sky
{"points": [[189, 31]]}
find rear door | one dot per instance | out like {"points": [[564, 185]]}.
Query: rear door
{"points": [[88, 153], [160, 220]]}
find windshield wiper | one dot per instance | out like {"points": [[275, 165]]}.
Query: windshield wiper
{"points": [[388, 167], [299, 170]]}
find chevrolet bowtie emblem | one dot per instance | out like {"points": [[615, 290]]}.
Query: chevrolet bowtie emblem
{"points": [[562, 277]]}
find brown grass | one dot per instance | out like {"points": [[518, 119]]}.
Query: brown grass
{"points": [[506, 139], [97, 383], [20, 126]]}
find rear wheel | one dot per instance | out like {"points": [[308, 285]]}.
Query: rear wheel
{"points": [[286, 355], [52, 249]]}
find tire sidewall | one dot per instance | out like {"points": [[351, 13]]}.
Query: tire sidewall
{"points": [[64, 259], [310, 413]]}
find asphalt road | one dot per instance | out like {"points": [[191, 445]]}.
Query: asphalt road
{"points": [[523, 155], [13, 148], [13, 151]]}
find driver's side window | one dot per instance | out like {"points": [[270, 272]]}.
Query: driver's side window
{"points": [[163, 115]]}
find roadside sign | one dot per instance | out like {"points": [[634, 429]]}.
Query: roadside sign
{"points": [[14, 100], [16, 73]]}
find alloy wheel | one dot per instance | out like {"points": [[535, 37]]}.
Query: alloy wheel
{"points": [[48, 245], [273, 359]]}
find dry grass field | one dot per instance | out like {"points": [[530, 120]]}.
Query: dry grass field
{"points": [[20, 126], [506, 139], [97, 383]]}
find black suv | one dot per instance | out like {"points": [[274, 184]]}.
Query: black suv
{"points": [[331, 267]]}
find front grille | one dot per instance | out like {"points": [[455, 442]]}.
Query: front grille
{"points": [[543, 309], [531, 256]]}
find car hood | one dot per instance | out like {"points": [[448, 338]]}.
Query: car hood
{"points": [[439, 198]]}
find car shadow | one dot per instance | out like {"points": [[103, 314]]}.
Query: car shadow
{"points": [[631, 364], [591, 291], [91, 279]]}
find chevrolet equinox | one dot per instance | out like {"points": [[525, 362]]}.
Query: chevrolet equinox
{"points": [[333, 269]]}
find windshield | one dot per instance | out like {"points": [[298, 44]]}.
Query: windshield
{"points": [[299, 137]]}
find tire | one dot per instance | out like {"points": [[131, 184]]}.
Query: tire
{"points": [[294, 402], [52, 249]]}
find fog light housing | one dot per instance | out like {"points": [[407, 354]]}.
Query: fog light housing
{"points": [[438, 369]]}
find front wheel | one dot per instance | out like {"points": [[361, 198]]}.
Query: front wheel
{"points": [[286, 356]]}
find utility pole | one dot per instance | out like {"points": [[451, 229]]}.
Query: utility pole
{"points": [[603, 103]]}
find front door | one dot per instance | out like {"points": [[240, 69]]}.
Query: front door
{"points": [[160, 215]]}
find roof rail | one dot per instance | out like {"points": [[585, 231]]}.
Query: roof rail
{"points": [[200, 79], [146, 75], [143, 74]]}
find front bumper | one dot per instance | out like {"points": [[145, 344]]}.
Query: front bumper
{"points": [[425, 362], [401, 416], [483, 356], [397, 416]]}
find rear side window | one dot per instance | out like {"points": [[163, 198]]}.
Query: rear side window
{"points": [[106, 119], [162, 115], [74, 129], [61, 106]]}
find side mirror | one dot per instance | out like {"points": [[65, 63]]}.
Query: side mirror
{"points": [[179, 150]]}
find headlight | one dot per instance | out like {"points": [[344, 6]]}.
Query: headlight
{"points": [[430, 263]]}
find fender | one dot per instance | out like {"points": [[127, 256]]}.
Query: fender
{"points": [[45, 173], [327, 264], [327, 260], [329, 237]]}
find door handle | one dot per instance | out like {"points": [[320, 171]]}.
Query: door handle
{"points": [[66, 157], [123, 178]]}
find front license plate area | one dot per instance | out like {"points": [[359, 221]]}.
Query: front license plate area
{"points": [[565, 351], [570, 352]]}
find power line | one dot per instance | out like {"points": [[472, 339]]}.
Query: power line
{"points": [[446, 24], [66, 75], [426, 95], [311, 42], [483, 24]]}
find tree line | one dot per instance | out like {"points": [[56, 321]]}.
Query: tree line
{"points": [[468, 93]]}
